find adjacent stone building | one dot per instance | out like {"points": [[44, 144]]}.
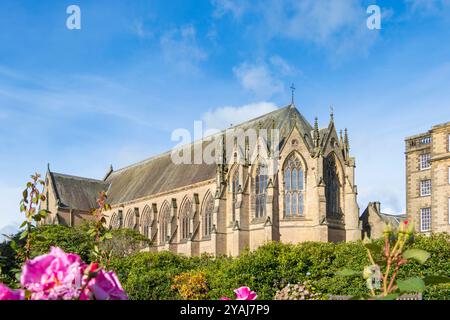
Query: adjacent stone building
{"points": [[227, 206], [428, 179], [373, 221]]}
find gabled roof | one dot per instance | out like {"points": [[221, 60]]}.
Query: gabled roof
{"points": [[77, 192], [392, 218], [160, 174]]}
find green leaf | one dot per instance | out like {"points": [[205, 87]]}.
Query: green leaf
{"points": [[23, 224], [416, 254], [24, 234], [108, 235], [414, 284], [43, 213], [13, 245], [25, 195], [431, 280], [39, 237], [345, 272]]}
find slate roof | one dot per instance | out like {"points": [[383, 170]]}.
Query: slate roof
{"points": [[160, 174], [393, 219], [77, 192]]}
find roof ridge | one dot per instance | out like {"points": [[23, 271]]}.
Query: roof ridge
{"points": [[393, 214], [76, 177]]}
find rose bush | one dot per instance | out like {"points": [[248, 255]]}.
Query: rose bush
{"points": [[64, 276]]}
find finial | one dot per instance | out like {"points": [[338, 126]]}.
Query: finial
{"points": [[316, 132], [111, 168], [331, 113], [292, 93], [48, 166], [346, 141]]}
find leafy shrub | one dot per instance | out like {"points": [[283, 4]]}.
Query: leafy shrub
{"points": [[272, 267], [438, 245], [191, 285], [74, 240], [150, 276], [124, 242]]}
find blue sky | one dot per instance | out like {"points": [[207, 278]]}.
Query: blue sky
{"points": [[113, 92]]}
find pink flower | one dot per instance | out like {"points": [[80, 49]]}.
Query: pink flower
{"points": [[106, 286], [10, 294], [225, 298], [244, 293], [53, 276], [63, 276]]}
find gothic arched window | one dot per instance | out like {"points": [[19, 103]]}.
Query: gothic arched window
{"points": [[185, 216], [293, 187], [234, 191], [261, 191], [164, 218], [146, 222], [129, 219], [332, 187], [115, 222], [207, 215]]}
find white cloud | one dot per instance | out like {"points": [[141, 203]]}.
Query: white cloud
{"points": [[391, 198], [139, 29], [426, 7], [180, 47], [223, 117], [339, 26], [258, 79], [264, 79], [282, 66], [222, 7]]}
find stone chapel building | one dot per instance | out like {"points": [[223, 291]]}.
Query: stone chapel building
{"points": [[223, 208]]}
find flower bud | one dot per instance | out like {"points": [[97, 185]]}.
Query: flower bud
{"points": [[387, 229], [403, 226], [410, 229]]}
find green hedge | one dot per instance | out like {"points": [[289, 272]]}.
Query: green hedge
{"points": [[147, 275], [271, 267]]}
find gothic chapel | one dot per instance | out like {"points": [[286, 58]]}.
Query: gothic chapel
{"points": [[224, 208]]}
